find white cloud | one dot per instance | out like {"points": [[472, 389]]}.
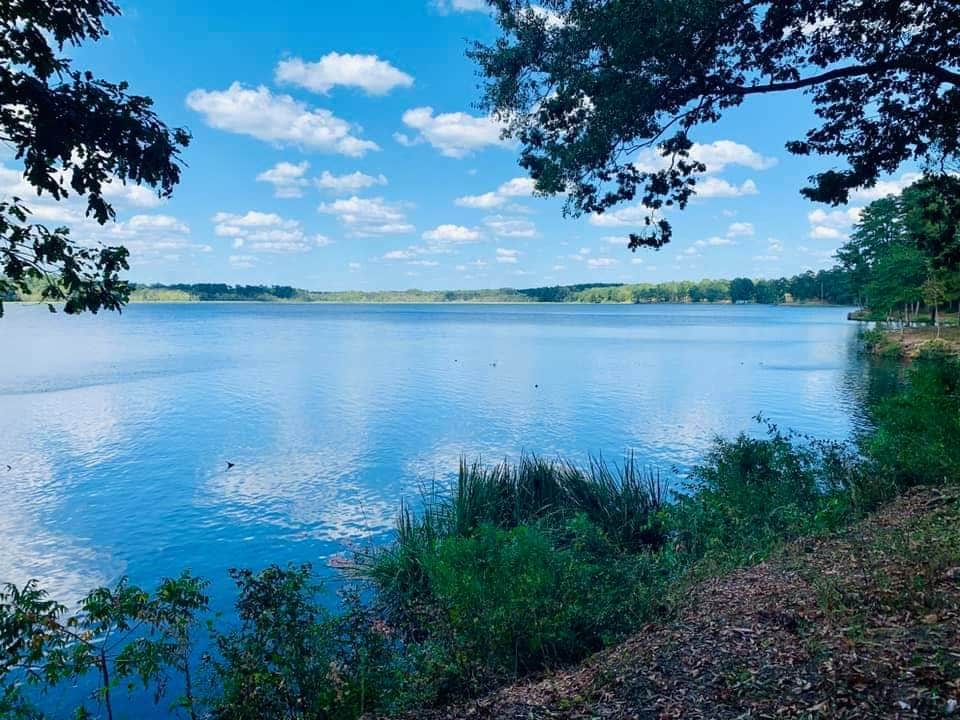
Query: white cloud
{"points": [[353, 266], [505, 255], [631, 215], [716, 156], [12, 183], [885, 187], [147, 237], [278, 119], [774, 245], [446, 6], [366, 217], [835, 218], [424, 263], [601, 263], [131, 194], [712, 187], [451, 234], [832, 225], [485, 201], [287, 179], [367, 72], [510, 227], [716, 241], [265, 232], [454, 134], [517, 187], [740, 229], [823, 232], [441, 240], [406, 140], [348, 183]]}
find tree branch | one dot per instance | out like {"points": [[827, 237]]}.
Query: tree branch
{"points": [[940, 73]]}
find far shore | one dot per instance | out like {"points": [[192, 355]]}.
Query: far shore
{"points": [[422, 301]]}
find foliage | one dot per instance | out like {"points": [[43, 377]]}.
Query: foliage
{"points": [[583, 85], [915, 441], [278, 662], [505, 602], [751, 494], [120, 637], [905, 250], [897, 279], [74, 133], [742, 290]]}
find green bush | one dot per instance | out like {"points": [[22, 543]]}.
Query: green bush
{"points": [[290, 657], [750, 494], [505, 602], [917, 435], [880, 342]]}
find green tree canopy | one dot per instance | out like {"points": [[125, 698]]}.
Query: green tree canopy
{"points": [[742, 290], [931, 219], [74, 133], [584, 85]]}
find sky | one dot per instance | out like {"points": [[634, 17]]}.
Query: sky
{"points": [[339, 146]]}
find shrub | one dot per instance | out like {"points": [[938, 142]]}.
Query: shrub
{"points": [[917, 435], [292, 658], [503, 602], [750, 494]]}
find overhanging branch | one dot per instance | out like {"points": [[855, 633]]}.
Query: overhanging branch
{"points": [[940, 73]]}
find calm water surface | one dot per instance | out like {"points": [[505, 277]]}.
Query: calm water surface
{"points": [[118, 428]]}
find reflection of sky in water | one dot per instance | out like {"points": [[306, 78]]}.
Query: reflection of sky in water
{"points": [[119, 428]]}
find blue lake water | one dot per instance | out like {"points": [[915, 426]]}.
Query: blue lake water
{"points": [[118, 428]]}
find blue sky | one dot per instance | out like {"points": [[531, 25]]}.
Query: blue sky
{"points": [[338, 146]]}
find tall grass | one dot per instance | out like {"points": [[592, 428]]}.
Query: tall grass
{"points": [[624, 501]]}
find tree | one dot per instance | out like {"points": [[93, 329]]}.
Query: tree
{"points": [[897, 280], [120, 636], [880, 226], [742, 290], [931, 219], [74, 134], [586, 85]]}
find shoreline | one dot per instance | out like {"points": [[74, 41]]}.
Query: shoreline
{"points": [[451, 302]]}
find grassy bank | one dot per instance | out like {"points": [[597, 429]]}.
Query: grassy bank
{"points": [[514, 570], [914, 342], [863, 623]]}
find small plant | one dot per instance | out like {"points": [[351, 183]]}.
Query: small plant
{"points": [[120, 636]]}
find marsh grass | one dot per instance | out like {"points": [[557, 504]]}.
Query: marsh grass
{"points": [[625, 502]]}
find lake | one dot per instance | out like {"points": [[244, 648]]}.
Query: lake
{"points": [[118, 429]]}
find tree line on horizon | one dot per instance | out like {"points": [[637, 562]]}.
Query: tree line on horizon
{"points": [[827, 286]]}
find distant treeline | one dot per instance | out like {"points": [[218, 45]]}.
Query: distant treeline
{"points": [[828, 286]]}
